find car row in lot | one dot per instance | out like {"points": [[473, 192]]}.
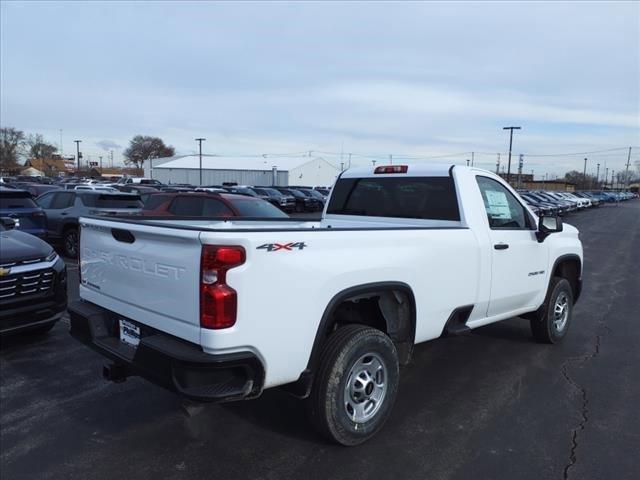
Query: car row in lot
{"points": [[560, 202]]}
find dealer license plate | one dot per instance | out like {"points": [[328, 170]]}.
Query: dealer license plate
{"points": [[129, 332]]}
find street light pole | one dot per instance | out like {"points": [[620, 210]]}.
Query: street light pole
{"points": [[78, 154], [511, 129], [626, 173], [200, 140]]}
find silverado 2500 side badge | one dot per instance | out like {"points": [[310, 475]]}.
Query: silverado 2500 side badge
{"points": [[274, 247]]}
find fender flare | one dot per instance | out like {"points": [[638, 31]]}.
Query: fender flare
{"points": [[302, 387]]}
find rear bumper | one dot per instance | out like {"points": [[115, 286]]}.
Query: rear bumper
{"points": [[167, 361]]}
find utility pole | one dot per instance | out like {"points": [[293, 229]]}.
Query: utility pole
{"points": [[511, 129], [498, 165], [200, 140], [598, 175], [100, 165], [613, 172], [584, 174], [111, 155], [606, 177], [472, 158], [626, 173], [78, 154]]}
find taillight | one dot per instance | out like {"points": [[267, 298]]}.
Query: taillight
{"points": [[392, 169], [218, 301]]}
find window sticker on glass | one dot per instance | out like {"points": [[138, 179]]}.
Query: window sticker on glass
{"points": [[497, 205]]}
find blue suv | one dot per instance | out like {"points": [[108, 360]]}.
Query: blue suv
{"points": [[18, 205]]}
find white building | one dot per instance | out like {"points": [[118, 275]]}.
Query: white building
{"points": [[216, 170]]}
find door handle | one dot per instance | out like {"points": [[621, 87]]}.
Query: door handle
{"points": [[64, 213], [501, 246]]}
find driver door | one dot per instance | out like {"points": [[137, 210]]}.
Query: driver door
{"points": [[518, 261]]}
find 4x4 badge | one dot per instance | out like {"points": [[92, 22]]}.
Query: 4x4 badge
{"points": [[287, 247]]}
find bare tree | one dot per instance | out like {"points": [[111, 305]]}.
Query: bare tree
{"points": [[11, 143], [37, 147], [144, 147]]}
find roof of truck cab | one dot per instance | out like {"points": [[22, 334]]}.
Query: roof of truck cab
{"points": [[413, 170]]}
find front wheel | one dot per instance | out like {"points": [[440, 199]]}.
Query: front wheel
{"points": [[355, 386], [556, 318]]}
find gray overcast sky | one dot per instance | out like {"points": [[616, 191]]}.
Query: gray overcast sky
{"points": [[379, 78]]}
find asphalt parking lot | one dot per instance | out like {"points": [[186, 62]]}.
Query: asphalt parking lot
{"points": [[489, 405]]}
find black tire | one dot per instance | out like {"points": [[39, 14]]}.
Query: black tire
{"points": [[347, 350], [70, 242], [552, 326]]}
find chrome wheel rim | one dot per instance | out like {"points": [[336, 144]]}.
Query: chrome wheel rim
{"points": [[365, 388], [561, 311]]}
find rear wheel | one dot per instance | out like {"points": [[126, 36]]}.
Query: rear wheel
{"points": [[70, 242], [356, 384], [556, 318]]}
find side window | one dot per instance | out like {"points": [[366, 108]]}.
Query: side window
{"points": [[503, 209], [45, 200], [187, 206], [62, 200], [215, 208]]}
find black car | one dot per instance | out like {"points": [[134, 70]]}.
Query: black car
{"points": [[304, 202], [33, 282], [286, 203]]}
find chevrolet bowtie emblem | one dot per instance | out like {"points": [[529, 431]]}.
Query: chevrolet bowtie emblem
{"points": [[4, 271]]}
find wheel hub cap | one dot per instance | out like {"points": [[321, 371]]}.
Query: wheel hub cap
{"points": [[561, 312], [366, 388]]}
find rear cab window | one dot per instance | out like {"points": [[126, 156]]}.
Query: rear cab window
{"points": [[424, 198]]}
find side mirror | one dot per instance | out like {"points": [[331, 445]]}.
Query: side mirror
{"points": [[9, 223], [548, 225]]}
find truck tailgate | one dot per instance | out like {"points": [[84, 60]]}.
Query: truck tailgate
{"points": [[145, 273]]}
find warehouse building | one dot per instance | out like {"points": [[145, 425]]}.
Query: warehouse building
{"points": [[217, 170]]}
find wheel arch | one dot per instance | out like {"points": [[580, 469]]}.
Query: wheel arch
{"points": [[570, 267], [399, 325]]}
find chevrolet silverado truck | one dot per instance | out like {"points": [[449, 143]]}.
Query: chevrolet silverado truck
{"points": [[213, 309]]}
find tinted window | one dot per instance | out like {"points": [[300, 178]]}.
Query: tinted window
{"points": [[409, 197], [257, 208], [45, 200], [62, 200], [105, 200], [154, 201], [215, 208], [503, 209], [16, 200], [187, 206]]}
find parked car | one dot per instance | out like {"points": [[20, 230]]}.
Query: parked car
{"points": [[36, 189], [202, 204], [286, 203], [304, 203], [328, 309], [152, 182], [96, 188], [33, 282], [64, 208], [19, 205]]}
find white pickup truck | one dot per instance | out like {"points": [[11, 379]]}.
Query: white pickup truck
{"points": [[220, 310]]}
